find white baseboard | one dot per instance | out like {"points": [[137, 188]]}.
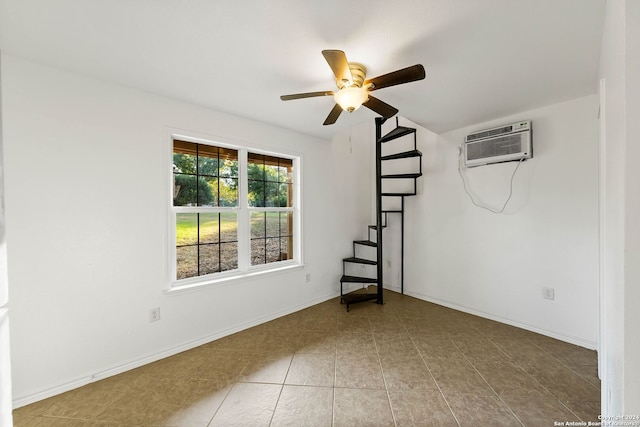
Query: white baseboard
{"points": [[154, 357]]}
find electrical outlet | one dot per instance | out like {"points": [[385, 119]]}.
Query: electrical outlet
{"points": [[308, 277], [154, 314], [548, 293]]}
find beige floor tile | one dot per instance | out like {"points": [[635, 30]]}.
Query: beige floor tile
{"points": [[248, 404], [361, 407], [381, 325], [506, 378], [565, 352], [319, 323], [473, 411], [538, 411], [150, 401], [354, 324], [458, 377], [304, 406], [350, 343], [515, 347], [278, 342], [312, 370], [566, 385], [266, 368], [93, 400], [406, 373], [60, 422], [359, 371], [479, 348], [439, 347], [395, 344], [417, 325], [317, 342], [244, 341], [421, 408], [586, 411], [588, 372], [198, 401]]}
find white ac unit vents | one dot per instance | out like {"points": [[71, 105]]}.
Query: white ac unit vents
{"points": [[501, 144]]}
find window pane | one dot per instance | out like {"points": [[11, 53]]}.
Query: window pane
{"points": [[228, 256], [228, 227], [209, 227], [228, 190], [186, 229], [184, 190], [257, 224], [228, 163], [285, 223], [272, 224], [184, 157], [271, 172], [283, 173], [209, 259], [255, 170], [273, 250], [286, 248], [256, 194], [285, 195], [207, 191], [257, 252], [207, 165], [186, 262], [271, 194]]}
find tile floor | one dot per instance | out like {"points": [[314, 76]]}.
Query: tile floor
{"points": [[405, 363]]}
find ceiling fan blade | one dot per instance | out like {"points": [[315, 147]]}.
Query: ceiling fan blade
{"points": [[382, 108], [305, 95], [333, 115], [405, 75], [337, 60]]}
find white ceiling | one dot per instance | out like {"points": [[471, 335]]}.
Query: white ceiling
{"points": [[484, 58]]}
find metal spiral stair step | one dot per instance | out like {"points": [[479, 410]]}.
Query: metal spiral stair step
{"points": [[356, 260], [396, 133], [365, 243], [403, 155], [356, 279], [402, 176], [398, 195]]}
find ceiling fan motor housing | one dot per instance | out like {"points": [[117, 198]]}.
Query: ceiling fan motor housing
{"points": [[358, 74]]}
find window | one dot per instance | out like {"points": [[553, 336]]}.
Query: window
{"points": [[234, 211]]}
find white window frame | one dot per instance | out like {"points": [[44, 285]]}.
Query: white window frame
{"points": [[243, 212]]}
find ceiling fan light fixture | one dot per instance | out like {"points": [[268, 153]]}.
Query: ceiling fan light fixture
{"points": [[351, 98]]}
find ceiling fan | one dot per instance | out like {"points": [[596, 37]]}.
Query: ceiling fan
{"points": [[354, 91]]}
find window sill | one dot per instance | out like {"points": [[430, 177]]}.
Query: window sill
{"points": [[177, 287]]}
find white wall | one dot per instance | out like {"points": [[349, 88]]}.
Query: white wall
{"points": [[496, 265], [612, 209], [5, 365], [87, 217], [632, 256], [620, 70]]}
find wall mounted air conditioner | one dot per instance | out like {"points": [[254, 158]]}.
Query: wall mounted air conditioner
{"points": [[501, 144]]}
